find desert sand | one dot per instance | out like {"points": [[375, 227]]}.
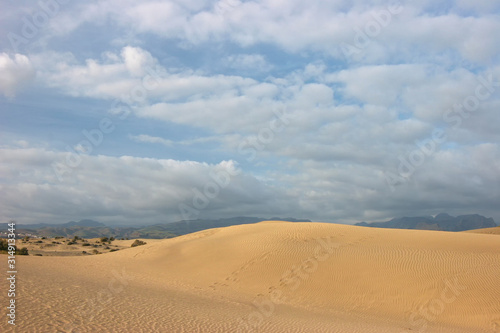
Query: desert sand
{"points": [[491, 231], [269, 277]]}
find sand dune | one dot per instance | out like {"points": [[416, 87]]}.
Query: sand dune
{"points": [[271, 277], [491, 231]]}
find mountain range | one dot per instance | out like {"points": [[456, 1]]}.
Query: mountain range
{"points": [[443, 222], [93, 229]]}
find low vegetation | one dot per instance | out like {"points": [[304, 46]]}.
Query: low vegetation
{"points": [[4, 248], [137, 242], [57, 246]]}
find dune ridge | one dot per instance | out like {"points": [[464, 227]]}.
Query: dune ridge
{"points": [[490, 231], [272, 277]]}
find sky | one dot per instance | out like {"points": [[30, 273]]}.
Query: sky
{"points": [[143, 112]]}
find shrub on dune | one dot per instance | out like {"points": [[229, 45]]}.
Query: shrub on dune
{"points": [[137, 242]]}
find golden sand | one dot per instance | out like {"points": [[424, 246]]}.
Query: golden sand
{"points": [[270, 277]]}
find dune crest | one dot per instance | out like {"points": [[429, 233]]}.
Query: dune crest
{"points": [[490, 231]]}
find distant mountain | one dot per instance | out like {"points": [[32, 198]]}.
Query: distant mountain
{"points": [[442, 222], [189, 226], [81, 223], [94, 229], [84, 223]]}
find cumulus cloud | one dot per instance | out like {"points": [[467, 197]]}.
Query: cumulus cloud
{"points": [[144, 138], [137, 60], [379, 99], [136, 190], [151, 139], [147, 190], [478, 6], [109, 77], [461, 181], [185, 97], [248, 62], [297, 27], [15, 72]]}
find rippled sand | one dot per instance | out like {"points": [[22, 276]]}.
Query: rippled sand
{"points": [[270, 277]]}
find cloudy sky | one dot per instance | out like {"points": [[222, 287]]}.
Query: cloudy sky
{"points": [[139, 112]]}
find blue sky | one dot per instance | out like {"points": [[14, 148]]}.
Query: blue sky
{"points": [[340, 111]]}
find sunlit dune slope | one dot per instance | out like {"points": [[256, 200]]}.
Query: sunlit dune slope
{"points": [[272, 277], [491, 231]]}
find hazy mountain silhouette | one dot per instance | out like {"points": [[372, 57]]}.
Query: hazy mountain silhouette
{"points": [[93, 229], [443, 221]]}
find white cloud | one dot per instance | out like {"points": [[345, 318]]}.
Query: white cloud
{"points": [[479, 6], [458, 181], [14, 73], [220, 103], [223, 104], [248, 62], [137, 60], [146, 190], [379, 85], [136, 190], [424, 91], [144, 138], [315, 27], [151, 139]]}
